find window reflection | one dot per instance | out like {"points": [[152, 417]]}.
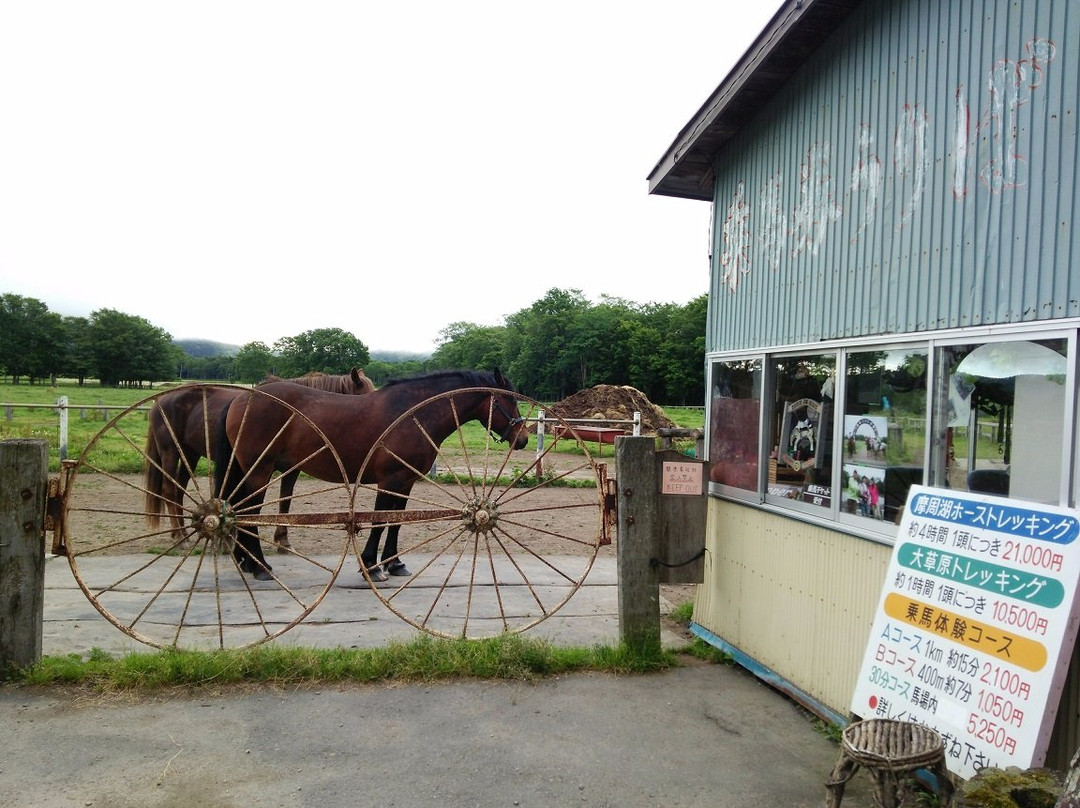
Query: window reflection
{"points": [[801, 459], [1004, 416], [884, 431], [735, 416]]}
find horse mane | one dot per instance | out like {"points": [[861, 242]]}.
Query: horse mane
{"points": [[343, 383], [468, 378]]}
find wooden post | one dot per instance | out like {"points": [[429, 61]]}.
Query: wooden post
{"points": [[638, 544], [24, 467]]}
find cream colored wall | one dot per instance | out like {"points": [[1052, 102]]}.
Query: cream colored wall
{"points": [[796, 598]]}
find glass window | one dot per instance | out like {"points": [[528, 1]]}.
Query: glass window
{"points": [[884, 428], [735, 418], [800, 464], [1003, 417]]}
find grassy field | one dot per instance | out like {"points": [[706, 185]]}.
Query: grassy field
{"points": [[30, 411]]}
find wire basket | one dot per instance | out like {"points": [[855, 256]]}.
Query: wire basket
{"points": [[884, 743]]}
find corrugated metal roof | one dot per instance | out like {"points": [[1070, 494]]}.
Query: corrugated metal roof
{"points": [[796, 30]]}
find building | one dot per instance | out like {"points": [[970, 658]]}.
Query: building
{"points": [[894, 300]]}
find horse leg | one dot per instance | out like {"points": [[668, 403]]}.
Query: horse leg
{"points": [[247, 548], [393, 501], [248, 555], [175, 506], [281, 532], [369, 556], [391, 563]]}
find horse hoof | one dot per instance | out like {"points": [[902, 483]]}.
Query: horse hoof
{"points": [[283, 547], [398, 569], [263, 575], [377, 575]]}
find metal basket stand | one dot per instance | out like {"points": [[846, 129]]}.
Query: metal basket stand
{"points": [[888, 749]]}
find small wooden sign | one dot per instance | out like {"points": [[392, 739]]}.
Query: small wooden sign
{"points": [[681, 478]]}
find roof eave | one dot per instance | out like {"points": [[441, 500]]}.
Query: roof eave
{"points": [[796, 30]]}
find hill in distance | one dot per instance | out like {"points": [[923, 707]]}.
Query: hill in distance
{"points": [[205, 349]]}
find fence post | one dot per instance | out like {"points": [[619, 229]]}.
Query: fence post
{"points": [[639, 542], [540, 444], [62, 405], [24, 466]]}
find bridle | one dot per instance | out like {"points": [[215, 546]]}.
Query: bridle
{"points": [[511, 422]]}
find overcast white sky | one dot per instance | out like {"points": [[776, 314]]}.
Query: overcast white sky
{"points": [[241, 171]]}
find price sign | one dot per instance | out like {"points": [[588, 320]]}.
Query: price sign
{"points": [[975, 626]]}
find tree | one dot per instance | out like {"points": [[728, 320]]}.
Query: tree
{"points": [[128, 350], [466, 345], [682, 351], [78, 360], [329, 350], [26, 336], [253, 362], [380, 371], [537, 342]]}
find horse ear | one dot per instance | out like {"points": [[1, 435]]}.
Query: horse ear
{"points": [[355, 374]]}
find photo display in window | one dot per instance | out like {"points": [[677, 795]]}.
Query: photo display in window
{"points": [[884, 431], [800, 464]]}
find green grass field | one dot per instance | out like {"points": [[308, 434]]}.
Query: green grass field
{"points": [[30, 411]]}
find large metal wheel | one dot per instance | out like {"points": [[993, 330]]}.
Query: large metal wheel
{"points": [[153, 548], [486, 556]]}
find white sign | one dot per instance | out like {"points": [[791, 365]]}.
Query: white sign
{"points": [[975, 626], [681, 478]]}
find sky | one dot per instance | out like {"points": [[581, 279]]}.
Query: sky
{"points": [[242, 171]]}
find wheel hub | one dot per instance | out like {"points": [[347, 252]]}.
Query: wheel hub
{"points": [[214, 522], [480, 515]]}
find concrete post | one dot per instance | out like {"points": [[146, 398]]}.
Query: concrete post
{"points": [[638, 543]]}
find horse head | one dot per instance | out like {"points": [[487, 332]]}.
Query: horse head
{"points": [[506, 421], [361, 382]]}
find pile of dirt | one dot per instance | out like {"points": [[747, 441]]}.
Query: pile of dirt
{"points": [[613, 403]]}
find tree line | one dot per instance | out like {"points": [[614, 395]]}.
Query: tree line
{"points": [[559, 345]]}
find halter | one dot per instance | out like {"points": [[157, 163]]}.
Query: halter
{"points": [[511, 422]]}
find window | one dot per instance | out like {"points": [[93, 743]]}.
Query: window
{"points": [[884, 431], [996, 416], [1004, 418], [735, 413], [800, 464]]}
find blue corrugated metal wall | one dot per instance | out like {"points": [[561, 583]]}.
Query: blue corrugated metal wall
{"points": [[919, 173]]}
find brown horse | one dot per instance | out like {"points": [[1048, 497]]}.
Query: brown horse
{"points": [[262, 437], [183, 428]]}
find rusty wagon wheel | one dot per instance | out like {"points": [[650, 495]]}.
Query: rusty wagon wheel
{"points": [[486, 558], [156, 555]]}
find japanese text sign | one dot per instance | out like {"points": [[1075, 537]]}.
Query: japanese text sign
{"points": [[975, 626], [682, 478]]}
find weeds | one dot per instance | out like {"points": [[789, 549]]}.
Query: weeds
{"points": [[424, 659]]}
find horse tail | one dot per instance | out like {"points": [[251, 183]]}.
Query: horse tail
{"points": [[153, 479]]}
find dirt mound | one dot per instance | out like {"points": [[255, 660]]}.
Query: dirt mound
{"points": [[613, 403]]}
